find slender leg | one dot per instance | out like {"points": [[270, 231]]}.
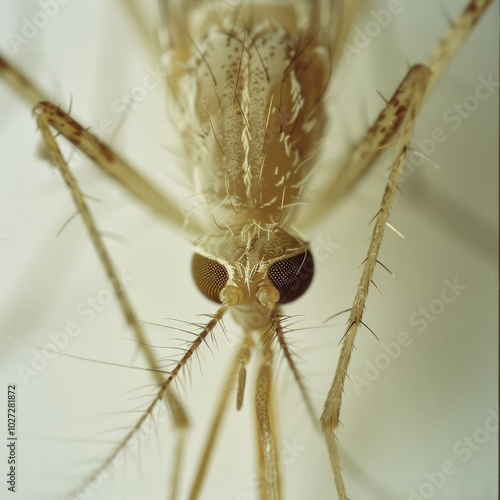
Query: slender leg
{"points": [[216, 423], [176, 409], [407, 99], [268, 460], [163, 391], [277, 331], [48, 116], [104, 157], [382, 133], [403, 109]]}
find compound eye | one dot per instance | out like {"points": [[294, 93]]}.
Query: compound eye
{"points": [[292, 276], [210, 276]]}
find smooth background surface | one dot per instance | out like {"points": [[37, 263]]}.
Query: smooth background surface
{"points": [[401, 426]]}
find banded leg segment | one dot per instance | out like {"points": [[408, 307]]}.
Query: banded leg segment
{"points": [[47, 116], [176, 409], [387, 125], [107, 160]]}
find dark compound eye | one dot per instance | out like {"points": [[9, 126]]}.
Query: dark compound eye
{"points": [[292, 276], [210, 276]]}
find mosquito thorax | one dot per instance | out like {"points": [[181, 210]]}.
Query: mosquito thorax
{"points": [[256, 261]]}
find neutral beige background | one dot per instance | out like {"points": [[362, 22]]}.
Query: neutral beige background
{"points": [[405, 424]]}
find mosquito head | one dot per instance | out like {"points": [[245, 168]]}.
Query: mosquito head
{"points": [[250, 265]]}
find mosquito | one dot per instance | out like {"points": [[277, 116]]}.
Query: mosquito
{"points": [[249, 84]]}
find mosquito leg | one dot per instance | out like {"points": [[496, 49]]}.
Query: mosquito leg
{"points": [[381, 134], [20, 84], [104, 157], [163, 392], [179, 417], [181, 424], [408, 99], [44, 112], [454, 39], [217, 421], [278, 332], [267, 456]]}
